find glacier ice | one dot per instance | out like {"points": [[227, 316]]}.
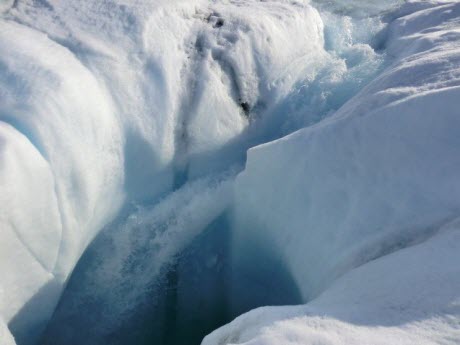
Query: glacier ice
{"points": [[378, 176], [123, 125]]}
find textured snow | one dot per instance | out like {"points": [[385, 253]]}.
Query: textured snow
{"points": [[378, 176]]}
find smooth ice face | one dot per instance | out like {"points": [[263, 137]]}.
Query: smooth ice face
{"points": [[408, 297], [377, 176]]}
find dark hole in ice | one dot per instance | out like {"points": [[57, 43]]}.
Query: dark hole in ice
{"points": [[246, 108], [219, 23], [203, 288], [215, 20]]}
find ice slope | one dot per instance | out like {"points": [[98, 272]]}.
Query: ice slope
{"points": [[108, 104], [408, 297], [378, 176]]}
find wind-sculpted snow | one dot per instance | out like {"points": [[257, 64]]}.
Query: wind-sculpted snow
{"points": [[129, 120], [378, 176]]}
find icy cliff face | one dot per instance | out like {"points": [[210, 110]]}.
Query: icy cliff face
{"points": [[408, 297], [134, 117], [378, 176]]}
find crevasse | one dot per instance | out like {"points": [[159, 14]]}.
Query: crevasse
{"points": [[129, 122]]}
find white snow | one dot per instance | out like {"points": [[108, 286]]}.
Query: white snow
{"points": [[109, 104]]}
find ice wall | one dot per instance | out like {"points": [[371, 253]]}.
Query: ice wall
{"points": [[378, 176], [408, 297], [56, 168]]}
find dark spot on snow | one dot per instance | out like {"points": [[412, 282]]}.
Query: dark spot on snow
{"points": [[44, 3], [199, 44], [219, 23], [215, 20], [246, 108]]}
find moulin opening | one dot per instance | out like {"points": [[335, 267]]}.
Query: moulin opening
{"points": [[200, 289], [169, 274]]}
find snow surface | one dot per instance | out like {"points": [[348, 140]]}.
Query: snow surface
{"points": [[147, 108], [378, 176]]}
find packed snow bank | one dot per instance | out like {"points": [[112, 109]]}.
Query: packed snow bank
{"points": [[109, 104], [378, 176], [408, 297]]}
